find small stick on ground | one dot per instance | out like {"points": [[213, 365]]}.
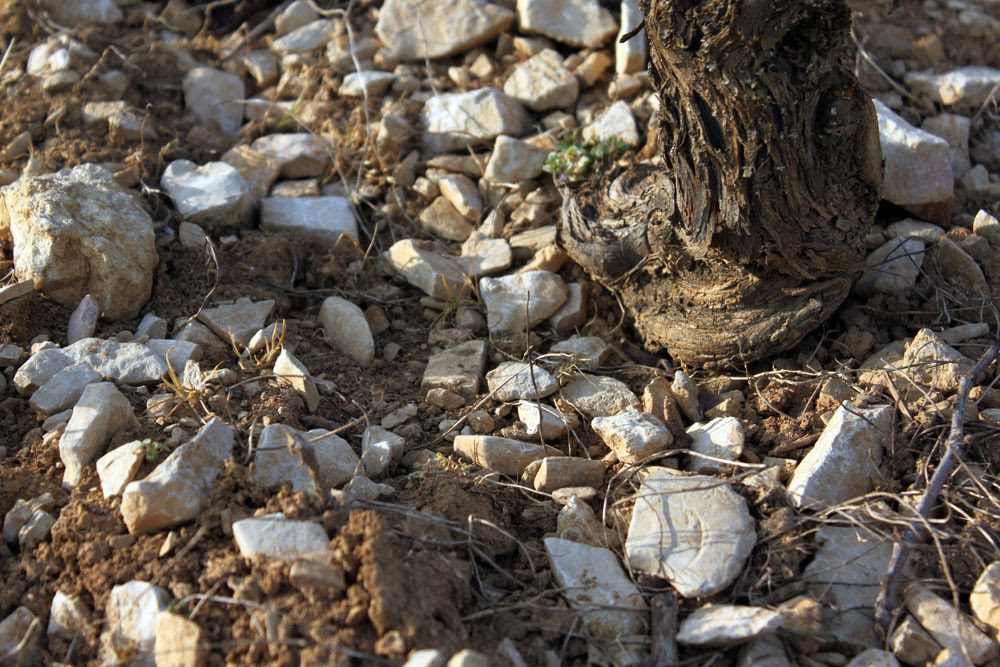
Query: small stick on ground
{"points": [[664, 630], [888, 598]]}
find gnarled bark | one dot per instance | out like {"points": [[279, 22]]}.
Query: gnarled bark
{"points": [[750, 232]]}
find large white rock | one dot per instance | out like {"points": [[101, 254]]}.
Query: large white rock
{"points": [[132, 610], [347, 329], [542, 82], [574, 22], [966, 87], [320, 221], [279, 538], [518, 302], [301, 154], [596, 586], [616, 121], [314, 461], [101, 412], [720, 625], [721, 438], [951, 628], [64, 389], [513, 380], [599, 395], [504, 455], [173, 493], [452, 121], [696, 532], [633, 436], [212, 195], [438, 275], [418, 29], [215, 96], [842, 463], [892, 267], [71, 14], [514, 160], [77, 232], [917, 173]]}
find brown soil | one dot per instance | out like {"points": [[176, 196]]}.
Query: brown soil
{"points": [[456, 559]]}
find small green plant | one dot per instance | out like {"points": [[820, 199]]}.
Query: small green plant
{"points": [[574, 159], [153, 449]]}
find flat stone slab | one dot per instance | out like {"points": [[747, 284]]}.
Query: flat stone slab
{"points": [[504, 455], [438, 275], [599, 396], [300, 154], [695, 531], [513, 380], [452, 121], [317, 220], [418, 29], [720, 625], [279, 538], [583, 23], [458, 369], [237, 321]]}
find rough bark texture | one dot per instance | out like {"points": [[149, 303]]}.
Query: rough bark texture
{"points": [[750, 231]]}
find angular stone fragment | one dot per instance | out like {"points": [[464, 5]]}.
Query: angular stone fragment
{"points": [[617, 121], [633, 436], [178, 642], [513, 380], [418, 29], [101, 412], [258, 170], [514, 160], [931, 362], [912, 644], [452, 121], [721, 438], [279, 538], [917, 167], [347, 329], [558, 472], [305, 38], [893, 267], [957, 265], [515, 303], [542, 82], [293, 372], [132, 610], [573, 312], [486, 256], [583, 23], [173, 493], [20, 637], [458, 369], [216, 96], [545, 421], [443, 220], [720, 625], [503, 455], [368, 83], [300, 154], [67, 616], [77, 232], [873, 657], [64, 389], [985, 596], [313, 461], [380, 451], [237, 321], [966, 88], [630, 55], [599, 396], [951, 628], [440, 276], [118, 467], [696, 532], [213, 195], [319, 221]]}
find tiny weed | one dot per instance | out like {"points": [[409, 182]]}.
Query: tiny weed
{"points": [[573, 159], [153, 449]]}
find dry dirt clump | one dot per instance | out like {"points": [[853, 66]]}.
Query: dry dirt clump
{"points": [[447, 554]]}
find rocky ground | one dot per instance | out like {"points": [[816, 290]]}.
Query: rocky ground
{"points": [[296, 372]]}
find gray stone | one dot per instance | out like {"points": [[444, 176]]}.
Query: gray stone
{"points": [[518, 302], [68, 616], [873, 657], [582, 23], [486, 256], [503, 455], [237, 321], [173, 493], [215, 96], [347, 329], [599, 396], [911, 643], [616, 121], [21, 626], [513, 380], [320, 221], [633, 436], [722, 625], [573, 313], [262, 66], [631, 56], [956, 264], [132, 610], [955, 130], [64, 389], [559, 472], [458, 369], [452, 121], [213, 195], [985, 596], [151, 326], [931, 362], [283, 457], [440, 276], [279, 538], [542, 82], [545, 421], [118, 467], [41, 367], [301, 155], [381, 450], [721, 438], [22, 511], [16, 291], [36, 530], [915, 229], [176, 352], [83, 11], [293, 373], [513, 160], [83, 320], [949, 627], [366, 84], [295, 15], [917, 167], [893, 267], [586, 352], [842, 463], [100, 413], [77, 232], [965, 88], [305, 38], [419, 29], [988, 227], [461, 193], [696, 532]]}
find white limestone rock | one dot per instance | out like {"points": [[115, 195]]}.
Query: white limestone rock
{"points": [[214, 195], [513, 160], [892, 267], [77, 232], [132, 610], [283, 457], [369, 83], [721, 438], [486, 256], [21, 626], [83, 11], [545, 421], [965, 88], [599, 396], [179, 640], [295, 15], [274, 536], [917, 174], [951, 628], [633, 436], [347, 329], [68, 616], [381, 450], [458, 369], [560, 472], [585, 352], [513, 380], [300, 154], [305, 38], [988, 227], [64, 389], [959, 266], [237, 321], [452, 121], [517, 302], [440, 276], [912, 228], [931, 362], [542, 82], [874, 657], [100, 413], [419, 29], [215, 96], [320, 221], [583, 23], [985, 596], [503, 455], [955, 130], [173, 493], [631, 56], [721, 625], [118, 467], [695, 531], [616, 121], [293, 373]]}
